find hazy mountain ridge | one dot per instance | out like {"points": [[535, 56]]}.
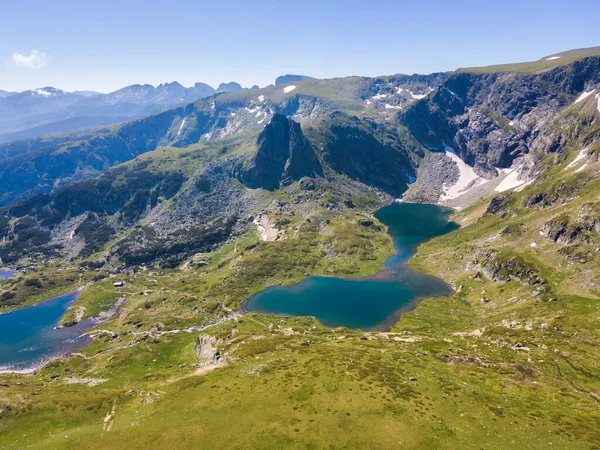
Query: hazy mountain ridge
{"points": [[220, 116], [49, 110]]}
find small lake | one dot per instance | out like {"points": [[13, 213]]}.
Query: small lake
{"points": [[28, 338], [371, 303], [5, 274]]}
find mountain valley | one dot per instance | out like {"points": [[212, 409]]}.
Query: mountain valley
{"points": [[188, 202]]}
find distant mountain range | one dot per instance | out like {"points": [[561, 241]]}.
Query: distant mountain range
{"points": [[49, 110], [289, 78]]}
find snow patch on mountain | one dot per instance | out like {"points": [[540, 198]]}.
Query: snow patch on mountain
{"points": [[289, 89], [584, 96], [380, 96], [582, 154], [417, 96], [455, 95], [510, 181], [466, 180], [181, 127], [524, 185], [47, 92]]}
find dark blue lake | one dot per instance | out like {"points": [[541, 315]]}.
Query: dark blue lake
{"points": [[372, 303], [28, 338]]}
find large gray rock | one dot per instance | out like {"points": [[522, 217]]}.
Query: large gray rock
{"points": [[283, 154]]}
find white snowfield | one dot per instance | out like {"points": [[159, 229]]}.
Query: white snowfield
{"points": [[455, 95], [598, 98], [181, 127], [261, 98], [511, 181], [417, 96], [467, 178], [582, 154], [380, 96], [289, 89], [45, 93], [552, 58], [388, 106], [524, 185], [584, 96]]}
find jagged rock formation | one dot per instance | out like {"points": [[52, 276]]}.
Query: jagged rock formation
{"points": [[283, 154], [491, 119], [232, 86]]}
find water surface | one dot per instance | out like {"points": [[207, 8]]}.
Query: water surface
{"points": [[371, 303], [5, 274], [28, 338]]}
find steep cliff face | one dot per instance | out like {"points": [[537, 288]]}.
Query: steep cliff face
{"points": [[491, 119], [364, 151], [283, 154]]}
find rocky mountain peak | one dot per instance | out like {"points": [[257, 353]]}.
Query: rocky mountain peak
{"points": [[282, 154], [232, 86]]}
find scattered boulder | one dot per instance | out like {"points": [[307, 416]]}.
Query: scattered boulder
{"points": [[208, 352]]}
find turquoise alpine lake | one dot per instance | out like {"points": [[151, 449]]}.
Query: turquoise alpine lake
{"points": [[28, 337], [375, 302]]}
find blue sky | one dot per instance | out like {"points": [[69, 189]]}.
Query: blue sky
{"points": [[108, 44]]}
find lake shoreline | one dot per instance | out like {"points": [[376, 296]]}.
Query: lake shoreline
{"points": [[394, 271], [67, 340]]}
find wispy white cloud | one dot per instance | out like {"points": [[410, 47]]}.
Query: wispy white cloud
{"points": [[34, 60]]}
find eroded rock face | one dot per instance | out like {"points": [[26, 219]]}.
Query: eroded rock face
{"points": [[283, 154], [566, 231], [207, 350], [491, 120], [364, 151]]}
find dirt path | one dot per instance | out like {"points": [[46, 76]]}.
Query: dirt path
{"points": [[109, 420]]}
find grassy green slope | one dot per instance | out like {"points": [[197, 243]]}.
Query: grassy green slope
{"points": [[457, 372], [564, 58]]}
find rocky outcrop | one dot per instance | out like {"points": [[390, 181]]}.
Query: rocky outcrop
{"points": [[364, 151], [208, 351], [491, 119], [500, 205], [566, 231], [502, 268], [283, 154]]}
